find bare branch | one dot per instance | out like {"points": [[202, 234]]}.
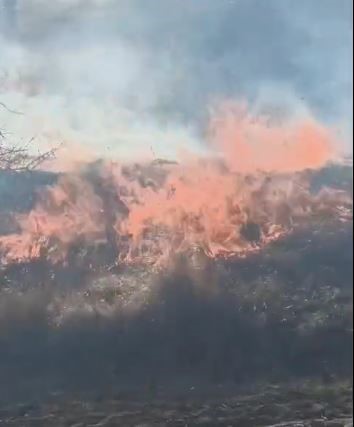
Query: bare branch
{"points": [[19, 159], [10, 110]]}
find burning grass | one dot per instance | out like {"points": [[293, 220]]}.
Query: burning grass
{"points": [[252, 189], [195, 269]]}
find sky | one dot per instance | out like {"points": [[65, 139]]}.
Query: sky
{"points": [[134, 76]]}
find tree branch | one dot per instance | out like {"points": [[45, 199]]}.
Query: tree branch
{"points": [[9, 109]]}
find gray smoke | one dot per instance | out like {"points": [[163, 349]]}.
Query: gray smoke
{"points": [[131, 74]]}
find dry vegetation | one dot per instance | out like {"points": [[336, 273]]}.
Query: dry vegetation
{"points": [[15, 158]]}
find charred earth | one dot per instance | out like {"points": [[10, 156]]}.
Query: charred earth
{"points": [[244, 341]]}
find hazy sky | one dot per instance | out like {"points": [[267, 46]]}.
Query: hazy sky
{"points": [[130, 73]]}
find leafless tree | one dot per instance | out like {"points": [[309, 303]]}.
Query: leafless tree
{"points": [[20, 159]]}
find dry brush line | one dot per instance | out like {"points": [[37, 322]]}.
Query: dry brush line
{"points": [[18, 159]]}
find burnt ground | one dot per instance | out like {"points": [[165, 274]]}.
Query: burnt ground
{"points": [[253, 342], [299, 404], [261, 341]]}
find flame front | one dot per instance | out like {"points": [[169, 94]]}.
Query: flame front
{"points": [[254, 189]]}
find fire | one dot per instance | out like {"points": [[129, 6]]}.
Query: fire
{"points": [[250, 143], [64, 213], [252, 191]]}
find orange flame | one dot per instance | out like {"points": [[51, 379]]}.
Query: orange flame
{"points": [[250, 143], [249, 194]]}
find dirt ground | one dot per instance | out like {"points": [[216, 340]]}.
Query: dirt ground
{"points": [[310, 403]]}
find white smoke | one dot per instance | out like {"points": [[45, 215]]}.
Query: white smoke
{"points": [[120, 78]]}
